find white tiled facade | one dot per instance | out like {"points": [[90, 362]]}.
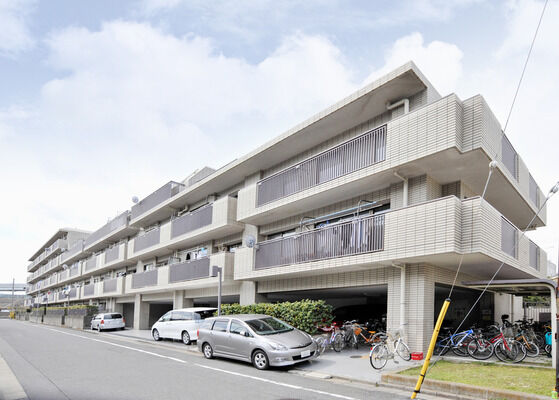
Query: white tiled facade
{"points": [[412, 208]]}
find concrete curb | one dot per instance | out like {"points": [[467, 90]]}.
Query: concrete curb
{"points": [[460, 390], [10, 388]]}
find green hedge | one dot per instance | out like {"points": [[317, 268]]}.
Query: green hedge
{"points": [[304, 315]]}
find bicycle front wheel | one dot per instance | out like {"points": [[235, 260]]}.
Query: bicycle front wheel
{"points": [[403, 351], [461, 346], [521, 353], [338, 343], [441, 347], [506, 352], [378, 356]]}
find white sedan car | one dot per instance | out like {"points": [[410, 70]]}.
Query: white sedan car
{"points": [[105, 321], [181, 324]]}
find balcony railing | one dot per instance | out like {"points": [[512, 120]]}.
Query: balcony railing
{"points": [[146, 240], [74, 270], [357, 153], [109, 285], [509, 238], [142, 279], [534, 191], [159, 196], [534, 255], [91, 263], [112, 254], [192, 221], [106, 229], [189, 270], [363, 235], [89, 290], [509, 157], [75, 249], [73, 293]]}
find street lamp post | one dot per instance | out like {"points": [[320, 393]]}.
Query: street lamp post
{"points": [[218, 271]]}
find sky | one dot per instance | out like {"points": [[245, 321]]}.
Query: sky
{"points": [[102, 101]]}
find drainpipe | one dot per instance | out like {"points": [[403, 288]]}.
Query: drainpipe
{"points": [[405, 194], [404, 102]]}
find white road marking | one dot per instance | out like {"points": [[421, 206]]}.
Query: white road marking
{"points": [[120, 345], [339, 396]]}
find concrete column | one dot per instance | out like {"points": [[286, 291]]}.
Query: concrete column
{"points": [[420, 289], [249, 294], [141, 313], [178, 299]]}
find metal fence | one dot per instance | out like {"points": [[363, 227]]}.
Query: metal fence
{"points": [[89, 290], [109, 285], [509, 156], [361, 235], [189, 270], [146, 240], [509, 238], [192, 221], [357, 153], [112, 253], [142, 279], [112, 225], [159, 196]]}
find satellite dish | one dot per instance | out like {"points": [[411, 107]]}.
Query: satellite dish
{"points": [[135, 199], [250, 240]]}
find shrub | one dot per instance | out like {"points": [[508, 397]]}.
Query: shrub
{"points": [[304, 315]]}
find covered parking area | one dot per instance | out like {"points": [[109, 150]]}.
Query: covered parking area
{"points": [[526, 287]]}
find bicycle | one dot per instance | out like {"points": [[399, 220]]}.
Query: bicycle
{"points": [[532, 349], [335, 340], [506, 349], [457, 342], [387, 349]]}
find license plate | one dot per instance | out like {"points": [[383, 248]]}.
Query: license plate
{"points": [[305, 353]]}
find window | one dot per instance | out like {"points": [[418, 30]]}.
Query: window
{"points": [[220, 325], [166, 317], [233, 247], [203, 314], [181, 316], [237, 327], [113, 316]]}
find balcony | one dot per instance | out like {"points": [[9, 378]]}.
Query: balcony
{"points": [[462, 134], [113, 287], [436, 232], [183, 275], [355, 154], [159, 196], [54, 249], [111, 232], [73, 253], [212, 221], [91, 291], [364, 235]]}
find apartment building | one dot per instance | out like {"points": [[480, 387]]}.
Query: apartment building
{"points": [[369, 204]]}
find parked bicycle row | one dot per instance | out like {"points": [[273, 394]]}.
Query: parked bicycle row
{"points": [[510, 343]]}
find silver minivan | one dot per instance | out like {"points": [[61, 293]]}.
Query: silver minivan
{"points": [[260, 339], [106, 321]]}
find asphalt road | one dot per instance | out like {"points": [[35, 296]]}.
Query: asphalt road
{"points": [[58, 363]]}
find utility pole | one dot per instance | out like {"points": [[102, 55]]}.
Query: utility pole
{"points": [[218, 271]]}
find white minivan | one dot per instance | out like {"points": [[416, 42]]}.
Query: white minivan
{"points": [[181, 324]]}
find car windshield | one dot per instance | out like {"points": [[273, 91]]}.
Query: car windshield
{"points": [[268, 326]]}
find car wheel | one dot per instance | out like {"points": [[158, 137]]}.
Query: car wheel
{"points": [[260, 360], [208, 351], [155, 334], [185, 337]]}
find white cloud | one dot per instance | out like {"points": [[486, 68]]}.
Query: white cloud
{"points": [[440, 62], [14, 33], [135, 107]]}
